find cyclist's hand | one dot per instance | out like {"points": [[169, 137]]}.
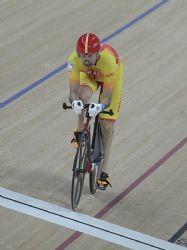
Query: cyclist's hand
{"points": [[77, 106], [95, 108]]}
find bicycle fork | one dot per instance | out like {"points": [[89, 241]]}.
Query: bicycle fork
{"points": [[89, 163]]}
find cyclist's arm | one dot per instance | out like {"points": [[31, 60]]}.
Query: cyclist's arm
{"points": [[109, 74], [107, 96], [109, 80], [74, 91], [74, 77], [74, 84]]}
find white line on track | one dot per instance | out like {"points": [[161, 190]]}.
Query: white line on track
{"points": [[81, 222]]}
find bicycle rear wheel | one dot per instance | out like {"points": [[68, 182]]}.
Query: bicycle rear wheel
{"points": [[97, 157], [95, 174], [79, 171]]}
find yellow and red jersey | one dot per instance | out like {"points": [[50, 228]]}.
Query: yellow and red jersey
{"points": [[107, 72], [103, 72]]}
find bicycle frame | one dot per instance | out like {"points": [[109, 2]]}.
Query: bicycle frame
{"points": [[88, 155], [86, 129]]}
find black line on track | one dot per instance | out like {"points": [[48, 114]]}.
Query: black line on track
{"points": [[178, 234], [99, 228]]}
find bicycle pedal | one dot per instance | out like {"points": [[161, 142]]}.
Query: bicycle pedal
{"points": [[103, 184], [102, 188], [80, 171]]}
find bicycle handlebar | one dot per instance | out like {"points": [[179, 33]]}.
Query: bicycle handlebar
{"points": [[65, 106], [86, 106]]}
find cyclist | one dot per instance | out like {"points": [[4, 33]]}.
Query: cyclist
{"points": [[91, 65]]}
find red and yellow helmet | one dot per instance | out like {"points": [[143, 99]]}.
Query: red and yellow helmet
{"points": [[88, 43]]}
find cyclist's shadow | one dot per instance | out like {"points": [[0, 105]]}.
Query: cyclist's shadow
{"points": [[108, 194]]}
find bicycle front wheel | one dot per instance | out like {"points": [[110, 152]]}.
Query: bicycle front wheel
{"points": [[79, 171]]}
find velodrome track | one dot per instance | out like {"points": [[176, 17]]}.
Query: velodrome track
{"points": [[146, 208]]}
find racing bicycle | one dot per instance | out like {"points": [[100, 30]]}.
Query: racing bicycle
{"points": [[89, 156]]}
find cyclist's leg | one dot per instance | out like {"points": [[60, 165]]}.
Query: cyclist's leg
{"points": [[107, 129], [87, 88], [85, 93], [107, 121]]}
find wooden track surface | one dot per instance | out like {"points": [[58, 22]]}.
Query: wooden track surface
{"points": [[36, 157]]}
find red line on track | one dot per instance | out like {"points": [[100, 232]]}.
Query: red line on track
{"points": [[131, 187]]}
